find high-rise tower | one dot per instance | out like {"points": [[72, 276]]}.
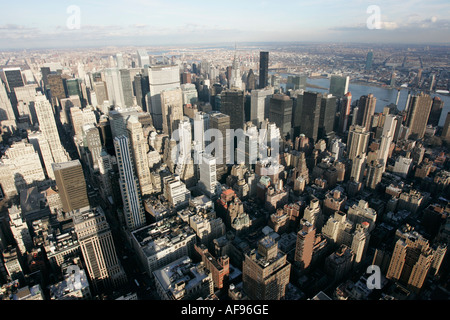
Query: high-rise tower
{"points": [[98, 250], [309, 108], [129, 185], [161, 78], [71, 185], [417, 116], [358, 139], [263, 69], [232, 104], [265, 271], [339, 85], [366, 110], [280, 112], [305, 244]]}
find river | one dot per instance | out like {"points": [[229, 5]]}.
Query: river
{"points": [[385, 96]]}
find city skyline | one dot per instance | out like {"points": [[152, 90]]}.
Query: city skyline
{"points": [[100, 23], [255, 161]]}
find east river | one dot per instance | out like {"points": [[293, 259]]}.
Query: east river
{"points": [[385, 96]]}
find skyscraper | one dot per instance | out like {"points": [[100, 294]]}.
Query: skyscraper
{"points": [[280, 112], [57, 90], [339, 85], [327, 117], [259, 104], [139, 149], [411, 259], [118, 120], [446, 129], [417, 116], [114, 87], [127, 87], [129, 185], [263, 69], [6, 110], [71, 185], [235, 81], [296, 82], [390, 124], [93, 145], [265, 271], [366, 110], [358, 139], [20, 168], [358, 167], [369, 60], [309, 109], [47, 125], [141, 88], [305, 244], [72, 87], [161, 78], [13, 78], [375, 171], [208, 177], [220, 122], [100, 92], [98, 249], [436, 111], [172, 109], [232, 104], [143, 58], [250, 84], [345, 110]]}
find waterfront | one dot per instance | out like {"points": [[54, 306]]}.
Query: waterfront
{"points": [[385, 96]]}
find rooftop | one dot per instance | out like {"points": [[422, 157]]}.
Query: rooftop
{"points": [[180, 275]]}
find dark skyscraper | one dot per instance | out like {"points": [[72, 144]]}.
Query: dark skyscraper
{"points": [[45, 71], [251, 81], [366, 110], [141, 88], [13, 78], [296, 82], [339, 85], [327, 117], [309, 108], [280, 112], [232, 104], [436, 110], [221, 122], [263, 69], [125, 77], [56, 86], [345, 109]]}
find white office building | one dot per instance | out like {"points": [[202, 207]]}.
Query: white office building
{"points": [[133, 209]]}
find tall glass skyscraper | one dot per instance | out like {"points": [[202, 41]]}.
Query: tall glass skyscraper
{"points": [[339, 85], [369, 60], [263, 69]]}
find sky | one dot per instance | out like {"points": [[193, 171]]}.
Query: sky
{"points": [[81, 23]]}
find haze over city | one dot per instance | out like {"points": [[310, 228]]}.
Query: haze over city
{"points": [[234, 151], [31, 24]]}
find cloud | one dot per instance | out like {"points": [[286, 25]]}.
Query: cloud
{"points": [[411, 23], [14, 27]]}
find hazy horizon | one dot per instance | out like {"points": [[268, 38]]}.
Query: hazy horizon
{"points": [[67, 24]]}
